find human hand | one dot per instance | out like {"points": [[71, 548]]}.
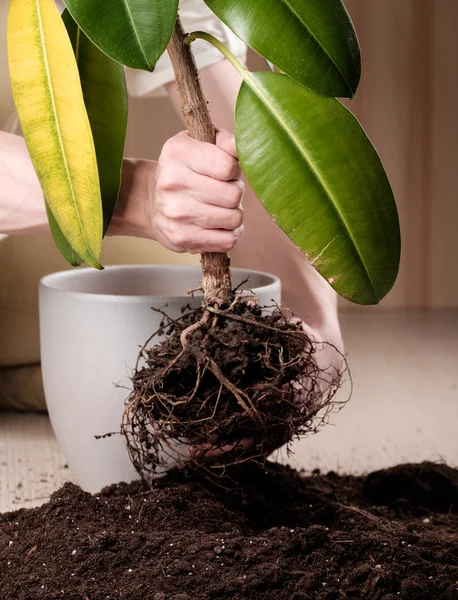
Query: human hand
{"points": [[197, 206], [189, 201]]}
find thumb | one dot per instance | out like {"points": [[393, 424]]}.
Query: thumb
{"points": [[226, 141]]}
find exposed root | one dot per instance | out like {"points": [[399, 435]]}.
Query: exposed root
{"points": [[230, 384]]}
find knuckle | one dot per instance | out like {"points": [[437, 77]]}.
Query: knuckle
{"points": [[173, 147], [166, 152], [173, 210], [232, 219], [232, 195], [171, 179], [227, 168], [166, 179], [226, 141], [237, 218], [206, 221], [228, 243], [238, 190]]}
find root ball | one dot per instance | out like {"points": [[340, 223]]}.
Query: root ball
{"points": [[233, 379]]}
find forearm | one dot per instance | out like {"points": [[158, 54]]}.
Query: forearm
{"points": [[133, 214], [22, 209]]}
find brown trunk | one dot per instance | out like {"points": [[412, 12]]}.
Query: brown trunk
{"points": [[216, 276]]}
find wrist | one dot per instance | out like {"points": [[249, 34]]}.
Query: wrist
{"points": [[132, 216]]}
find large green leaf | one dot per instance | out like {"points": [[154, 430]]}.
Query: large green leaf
{"points": [[105, 95], [313, 167], [312, 41], [53, 117], [132, 32]]}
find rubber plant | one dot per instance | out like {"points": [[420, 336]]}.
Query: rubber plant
{"points": [[304, 154]]}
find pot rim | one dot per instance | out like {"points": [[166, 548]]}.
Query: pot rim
{"points": [[48, 283]]}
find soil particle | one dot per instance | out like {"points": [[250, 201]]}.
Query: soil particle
{"points": [[286, 537]]}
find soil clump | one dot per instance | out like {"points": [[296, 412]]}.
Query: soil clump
{"points": [[261, 532]]}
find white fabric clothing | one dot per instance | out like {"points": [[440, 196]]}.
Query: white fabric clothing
{"points": [[195, 15]]}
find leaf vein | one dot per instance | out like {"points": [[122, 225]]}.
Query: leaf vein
{"points": [[250, 80], [319, 43], [137, 36], [59, 133]]}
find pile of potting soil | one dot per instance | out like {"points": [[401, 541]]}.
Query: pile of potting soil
{"points": [[390, 536]]}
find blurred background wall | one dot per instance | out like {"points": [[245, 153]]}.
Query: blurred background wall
{"points": [[407, 102]]}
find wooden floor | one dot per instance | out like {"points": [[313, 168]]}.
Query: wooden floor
{"points": [[404, 408]]}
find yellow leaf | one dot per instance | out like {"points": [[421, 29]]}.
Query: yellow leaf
{"points": [[49, 101]]}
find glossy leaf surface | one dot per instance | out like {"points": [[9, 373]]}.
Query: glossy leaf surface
{"points": [[50, 105], [105, 95], [313, 167], [135, 33], [312, 41]]}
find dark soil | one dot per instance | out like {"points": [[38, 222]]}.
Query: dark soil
{"points": [[390, 536]]}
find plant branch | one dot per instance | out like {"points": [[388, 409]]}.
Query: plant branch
{"points": [[216, 277]]}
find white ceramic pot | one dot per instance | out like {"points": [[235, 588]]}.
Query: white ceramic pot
{"points": [[92, 325]]}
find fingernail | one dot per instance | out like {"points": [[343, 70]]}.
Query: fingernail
{"points": [[238, 232], [241, 184]]}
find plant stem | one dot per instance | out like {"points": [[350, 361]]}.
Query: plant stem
{"points": [[216, 275], [202, 35]]}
